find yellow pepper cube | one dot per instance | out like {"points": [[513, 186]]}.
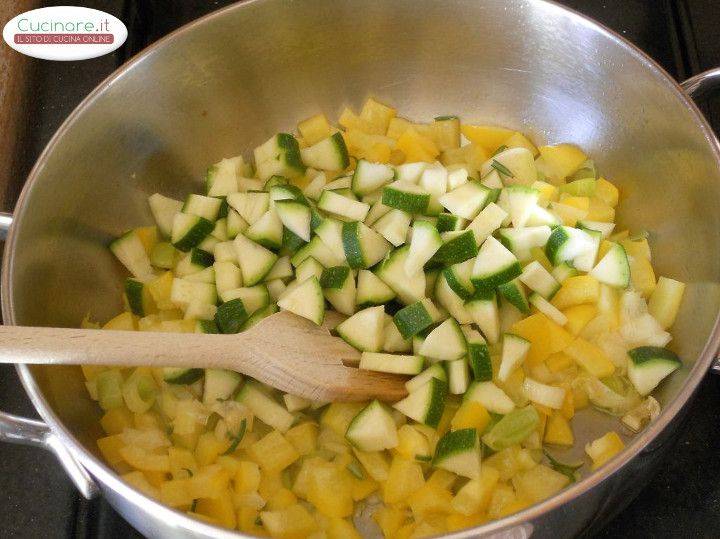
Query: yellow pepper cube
{"points": [[247, 477], [339, 528], [470, 415], [294, 522], [591, 358], [411, 443], [562, 159], [569, 215], [475, 495], [545, 336], [665, 301], [607, 192], [642, 275], [416, 147], [518, 140], [148, 236], [429, 500], [182, 462], [208, 448], [349, 120], [176, 493], [247, 518], [404, 478], [559, 362], [303, 437], [338, 416], [576, 290], [390, 519], [209, 481], [140, 482], [273, 452], [580, 203], [539, 483], [375, 464], [281, 499], [568, 406], [160, 289], [315, 129], [637, 247], [547, 191], [144, 461], [116, 420], [445, 132], [458, 521], [558, 431], [578, 317], [110, 447], [123, 322], [376, 117], [599, 211], [502, 501], [330, 490], [397, 126], [604, 448], [489, 137], [362, 488]]}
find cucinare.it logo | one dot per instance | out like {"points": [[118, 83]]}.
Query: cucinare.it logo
{"points": [[64, 33]]}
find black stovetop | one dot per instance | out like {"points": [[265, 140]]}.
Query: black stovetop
{"points": [[683, 499]]}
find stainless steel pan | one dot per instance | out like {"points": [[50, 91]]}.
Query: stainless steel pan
{"points": [[224, 83]]}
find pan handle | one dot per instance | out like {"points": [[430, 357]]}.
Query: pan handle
{"points": [[20, 430], [697, 87]]}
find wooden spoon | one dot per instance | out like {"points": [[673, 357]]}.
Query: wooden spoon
{"points": [[284, 351]]}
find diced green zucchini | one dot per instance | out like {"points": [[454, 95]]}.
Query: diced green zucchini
{"points": [[305, 300], [364, 330], [435, 370], [613, 269], [586, 261], [373, 428], [138, 297], [235, 224], [205, 276], [274, 146], [542, 217], [467, 200], [566, 243], [220, 384], [515, 166], [230, 316], [410, 172], [253, 297], [539, 280], [514, 292], [184, 291], [250, 205], [207, 326], [488, 221], [282, 269], [514, 351], [317, 249], [259, 315], [328, 154], [369, 177], [393, 226], [416, 317], [267, 230], [444, 343], [309, 268], [492, 398], [227, 276], [163, 255], [377, 210], [548, 309], [363, 246], [342, 206], [330, 232], [194, 261], [494, 265], [522, 200], [189, 231], [425, 404], [447, 298], [605, 229], [279, 156], [254, 260], [458, 376], [264, 407], [478, 355], [434, 181], [484, 312], [202, 206], [392, 340], [458, 278], [224, 251], [338, 284], [200, 311], [371, 290], [521, 240], [563, 271], [424, 244], [314, 189], [512, 429], [182, 376], [390, 363], [129, 250], [164, 210], [272, 181], [295, 216], [458, 451], [405, 196], [649, 365], [447, 222], [457, 247], [409, 289]]}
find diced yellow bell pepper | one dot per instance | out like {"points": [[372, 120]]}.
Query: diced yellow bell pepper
{"points": [[303, 437], [547, 191], [148, 236], [569, 215], [349, 120], [518, 140], [273, 452], [110, 447], [338, 416], [416, 147], [397, 127], [642, 275], [156, 478], [591, 358], [330, 490], [339, 528], [140, 482], [247, 477], [376, 117], [247, 518], [123, 322], [280, 499], [475, 495], [568, 407], [209, 481], [404, 478], [559, 362], [538, 254], [428, 500], [116, 420], [209, 447], [446, 133], [458, 521], [558, 431], [607, 192], [470, 415], [362, 488], [510, 461], [581, 203], [375, 464], [270, 483], [578, 316], [604, 448], [599, 211], [390, 519], [411, 443], [376, 148], [182, 463], [545, 336], [539, 483], [562, 159], [502, 501], [160, 289], [576, 291], [637, 248], [665, 301], [294, 522], [315, 129], [176, 493], [489, 137], [144, 461]]}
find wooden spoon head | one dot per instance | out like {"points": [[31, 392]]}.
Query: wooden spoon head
{"points": [[304, 359]]}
